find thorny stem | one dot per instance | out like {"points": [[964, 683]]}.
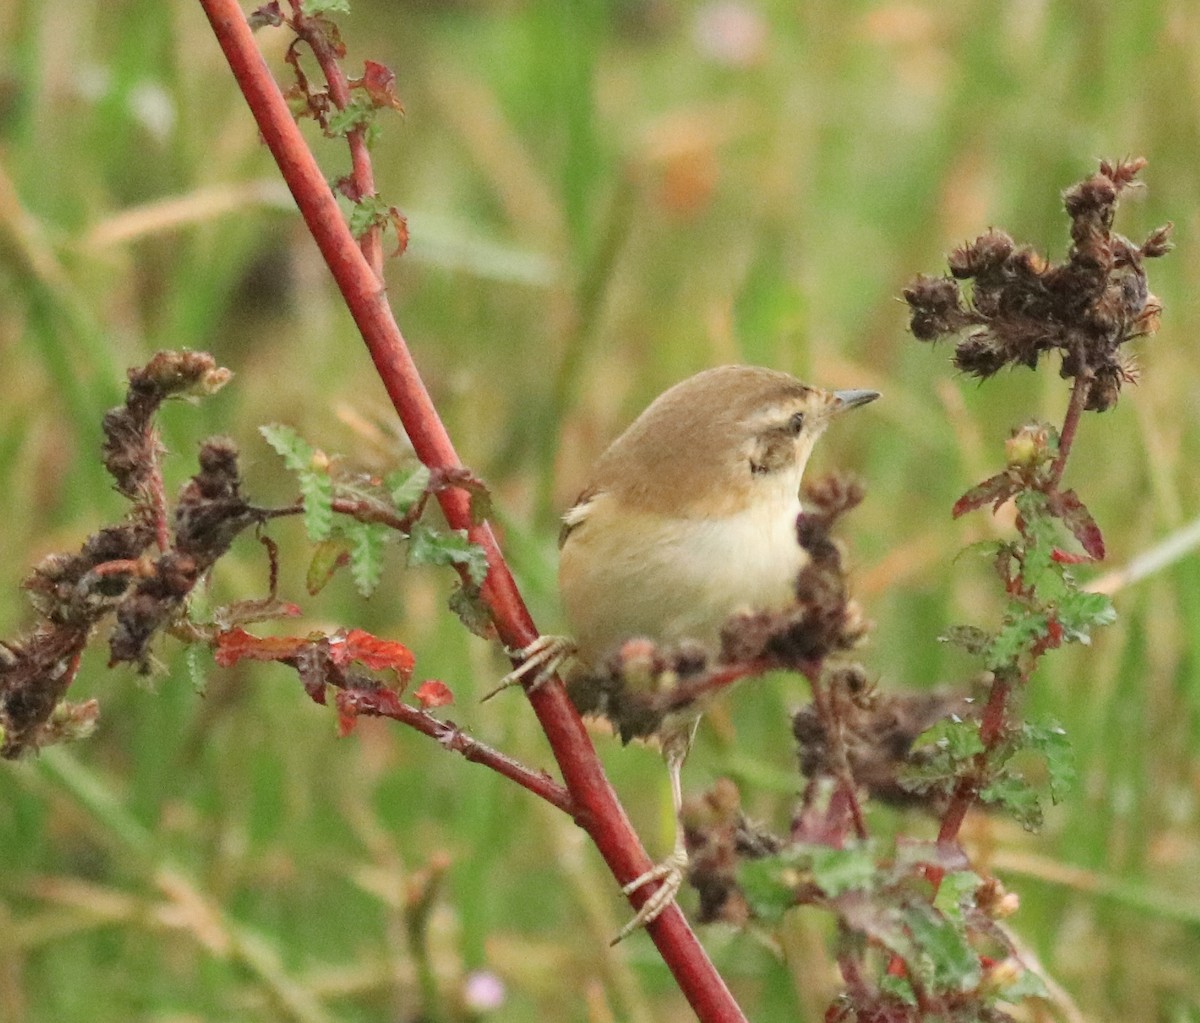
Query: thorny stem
{"points": [[597, 808]]}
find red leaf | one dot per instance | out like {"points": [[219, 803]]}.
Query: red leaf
{"points": [[433, 694], [379, 83], [235, 645], [995, 490], [347, 716], [1067, 558], [400, 224], [377, 654], [1067, 506]]}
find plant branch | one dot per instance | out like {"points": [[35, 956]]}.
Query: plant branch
{"points": [[597, 808], [1066, 437], [362, 172], [379, 702]]}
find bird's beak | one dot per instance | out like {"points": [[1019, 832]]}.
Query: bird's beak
{"points": [[846, 400]]}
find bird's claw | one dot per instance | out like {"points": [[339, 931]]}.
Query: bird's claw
{"points": [[539, 662], [669, 873]]}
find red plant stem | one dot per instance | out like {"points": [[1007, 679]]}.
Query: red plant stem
{"points": [[362, 172], [1070, 425], [597, 808], [689, 691], [386, 703], [991, 725], [991, 730]]}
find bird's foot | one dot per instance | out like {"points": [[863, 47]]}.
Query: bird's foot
{"points": [[669, 873], [539, 662]]}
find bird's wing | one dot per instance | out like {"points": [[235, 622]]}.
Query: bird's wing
{"points": [[577, 514]]}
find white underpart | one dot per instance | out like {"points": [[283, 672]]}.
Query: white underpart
{"points": [[681, 578]]}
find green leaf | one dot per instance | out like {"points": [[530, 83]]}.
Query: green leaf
{"points": [[428, 546], [1040, 533], [407, 488], [957, 891], [898, 988], [367, 543], [769, 886], [940, 755], [466, 602], [311, 467], [1015, 795], [1051, 742], [1026, 984], [970, 638], [836, 871], [1021, 631], [196, 672], [317, 490], [369, 211], [946, 959], [1079, 613], [328, 556], [296, 452]]}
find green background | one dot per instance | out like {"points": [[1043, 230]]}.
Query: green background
{"points": [[603, 198]]}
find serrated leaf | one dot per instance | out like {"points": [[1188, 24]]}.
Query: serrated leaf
{"points": [[369, 211], [428, 546], [1051, 742], [946, 958], [328, 556], [1074, 514], [898, 988], [1080, 612], [1016, 796], [970, 638], [983, 548], [367, 543], [407, 488], [958, 738], [467, 603], [296, 452], [311, 468], [769, 886], [481, 504], [372, 652], [836, 871], [995, 490], [957, 890], [1017, 636], [433, 693], [1026, 984], [196, 672], [1040, 534], [317, 490]]}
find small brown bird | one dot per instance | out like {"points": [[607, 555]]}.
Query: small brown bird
{"points": [[690, 516]]}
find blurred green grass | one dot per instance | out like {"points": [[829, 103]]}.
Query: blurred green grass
{"points": [[603, 198]]}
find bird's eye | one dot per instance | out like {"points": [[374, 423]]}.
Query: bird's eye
{"points": [[796, 422]]}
